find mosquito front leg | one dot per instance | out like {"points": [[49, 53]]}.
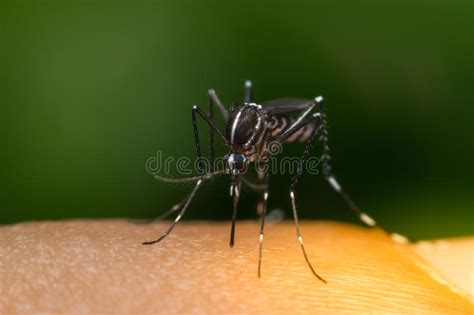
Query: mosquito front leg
{"points": [[180, 215], [163, 216], [261, 172], [215, 101], [213, 127], [235, 193], [262, 217]]}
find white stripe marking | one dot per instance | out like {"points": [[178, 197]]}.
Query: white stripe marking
{"points": [[177, 218], [299, 119], [276, 132], [283, 124], [261, 238], [295, 135], [292, 195], [319, 99], [248, 83], [257, 127], [307, 133], [234, 126], [399, 238], [334, 183], [265, 196], [367, 220], [300, 239], [273, 123]]}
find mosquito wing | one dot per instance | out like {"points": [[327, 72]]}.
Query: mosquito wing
{"points": [[286, 105]]}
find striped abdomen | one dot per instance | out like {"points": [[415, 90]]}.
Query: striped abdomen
{"points": [[280, 124]]}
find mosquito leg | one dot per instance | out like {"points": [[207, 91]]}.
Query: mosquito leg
{"points": [[210, 122], [212, 125], [248, 97], [261, 177], [173, 209], [180, 215], [213, 128], [211, 136], [294, 181], [163, 216], [214, 99], [330, 178], [327, 173], [301, 119], [235, 192], [262, 219]]}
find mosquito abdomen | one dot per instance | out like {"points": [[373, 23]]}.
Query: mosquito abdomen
{"points": [[280, 124]]}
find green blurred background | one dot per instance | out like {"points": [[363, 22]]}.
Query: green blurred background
{"points": [[90, 90]]}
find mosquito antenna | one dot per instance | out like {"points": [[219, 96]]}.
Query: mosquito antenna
{"points": [[187, 179]]}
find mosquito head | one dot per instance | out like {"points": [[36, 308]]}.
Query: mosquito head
{"points": [[236, 163]]}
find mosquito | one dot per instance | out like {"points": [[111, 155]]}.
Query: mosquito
{"points": [[250, 129]]}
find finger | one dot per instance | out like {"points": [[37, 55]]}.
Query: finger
{"points": [[101, 267], [454, 258]]}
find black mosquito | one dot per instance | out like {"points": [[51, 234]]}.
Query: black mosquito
{"points": [[250, 128]]}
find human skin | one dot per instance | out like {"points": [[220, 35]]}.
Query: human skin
{"points": [[101, 267]]}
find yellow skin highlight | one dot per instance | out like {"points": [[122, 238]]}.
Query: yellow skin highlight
{"points": [[100, 267]]}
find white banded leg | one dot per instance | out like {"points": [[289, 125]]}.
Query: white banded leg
{"points": [[294, 181], [180, 215], [329, 176], [262, 218], [364, 217], [235, 192], [300, 237], [173, 209]]}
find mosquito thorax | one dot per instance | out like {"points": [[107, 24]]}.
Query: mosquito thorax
{"points": [[245, 125]]}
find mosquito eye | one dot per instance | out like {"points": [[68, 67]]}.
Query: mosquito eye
{"points": [[239, 158]]}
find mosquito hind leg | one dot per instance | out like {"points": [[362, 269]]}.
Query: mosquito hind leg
{"points": [[336, 186]]}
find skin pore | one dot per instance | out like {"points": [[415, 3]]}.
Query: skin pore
{"points": [[101, 267]]}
